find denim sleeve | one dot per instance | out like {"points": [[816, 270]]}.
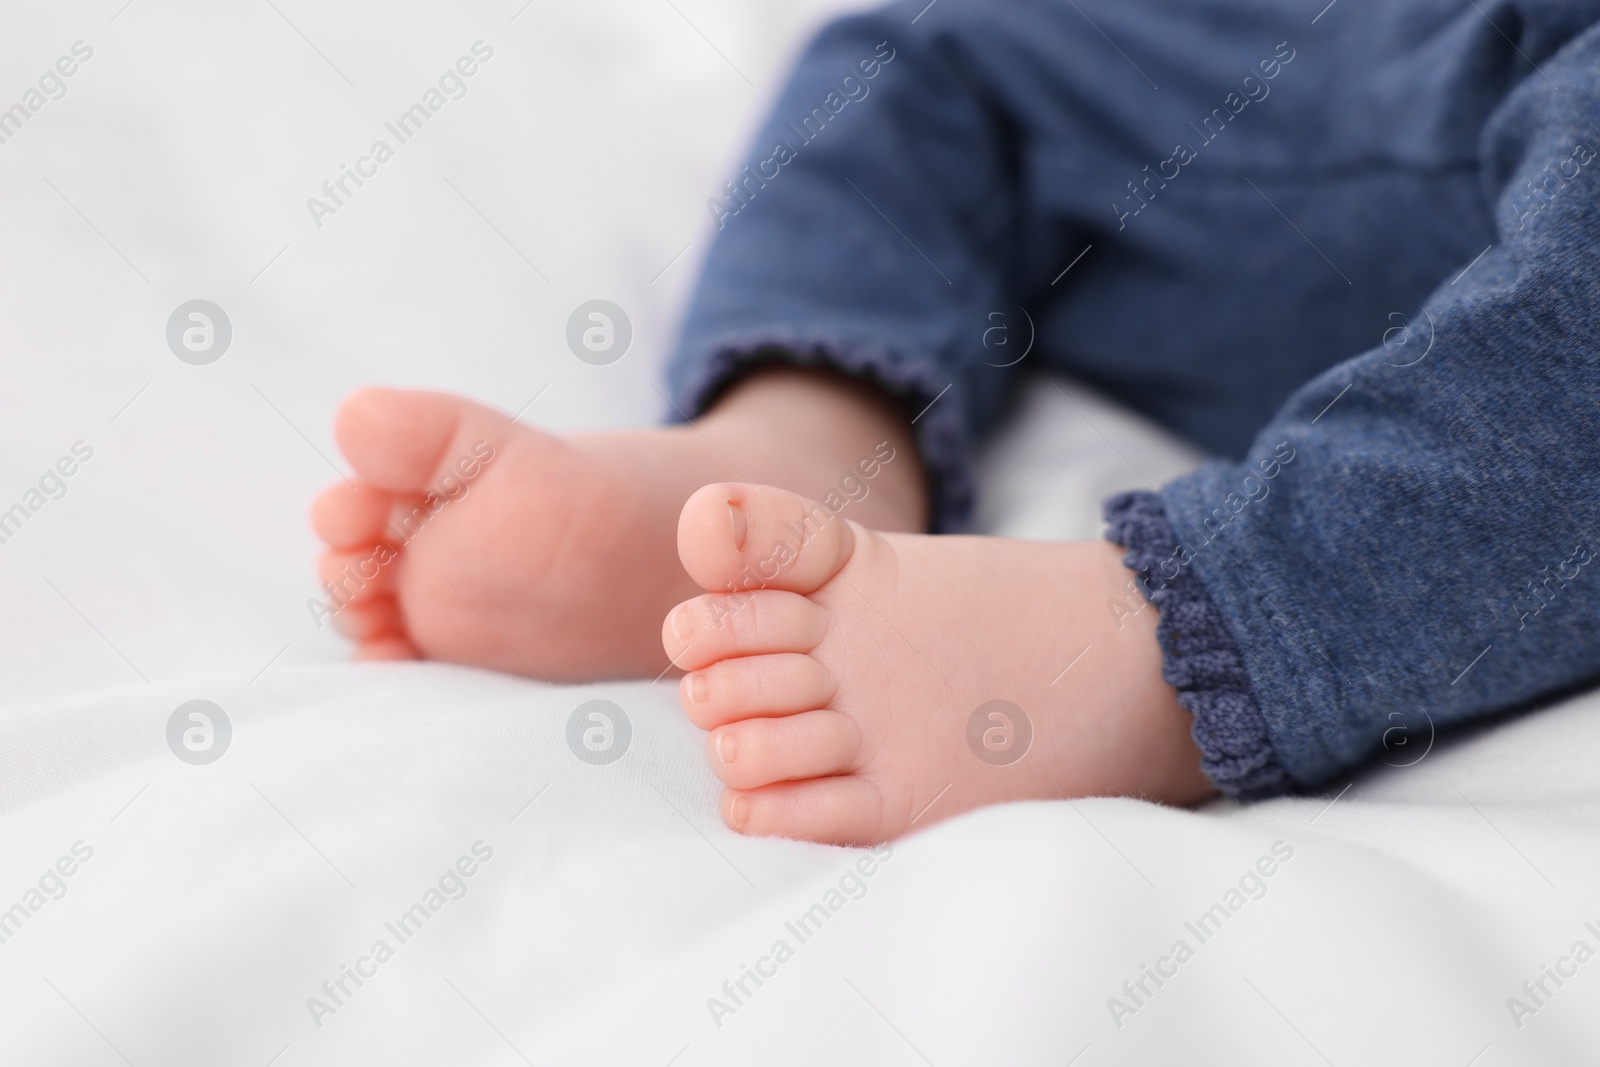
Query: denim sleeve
{"points": [[1410, 542], [869, 230]]}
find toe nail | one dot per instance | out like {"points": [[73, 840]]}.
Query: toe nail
{"points": [[739, 812], [727, 748], [740, 526], [681, 624], [697, 688]]}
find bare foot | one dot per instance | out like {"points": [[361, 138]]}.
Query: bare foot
{"points": [[468, 537], [840, 672]]}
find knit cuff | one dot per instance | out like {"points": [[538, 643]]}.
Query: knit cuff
{"points": [[1199, 655]]}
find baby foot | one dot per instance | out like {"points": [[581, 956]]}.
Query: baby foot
{"points": [[842, 672], [466, 536]]}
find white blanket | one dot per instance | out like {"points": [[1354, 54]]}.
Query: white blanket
{"points": [[533, 907]]}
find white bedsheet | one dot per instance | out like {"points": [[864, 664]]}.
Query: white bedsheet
{"points": [[214, 901]]}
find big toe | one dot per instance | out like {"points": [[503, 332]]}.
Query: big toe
{"points": [[733, 536], [408, 441]]}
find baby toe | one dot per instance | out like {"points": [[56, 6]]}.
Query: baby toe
{"points": [[352, 577], [408, 440], [349, 516], [755, 686], [737, 537], [757, 752], [719, 626], [844, 810], [389, 647], [376, 617]]}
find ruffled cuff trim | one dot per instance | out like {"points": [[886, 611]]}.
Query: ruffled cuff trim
{"points": [[1200, 657]]}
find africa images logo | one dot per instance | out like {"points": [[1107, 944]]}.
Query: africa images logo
{"points": [[199, 732]]}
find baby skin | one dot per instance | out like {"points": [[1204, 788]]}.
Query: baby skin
{"points": [[836, 659]]}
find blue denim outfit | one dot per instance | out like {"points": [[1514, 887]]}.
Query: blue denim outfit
{"points": [[1355, 252]]}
